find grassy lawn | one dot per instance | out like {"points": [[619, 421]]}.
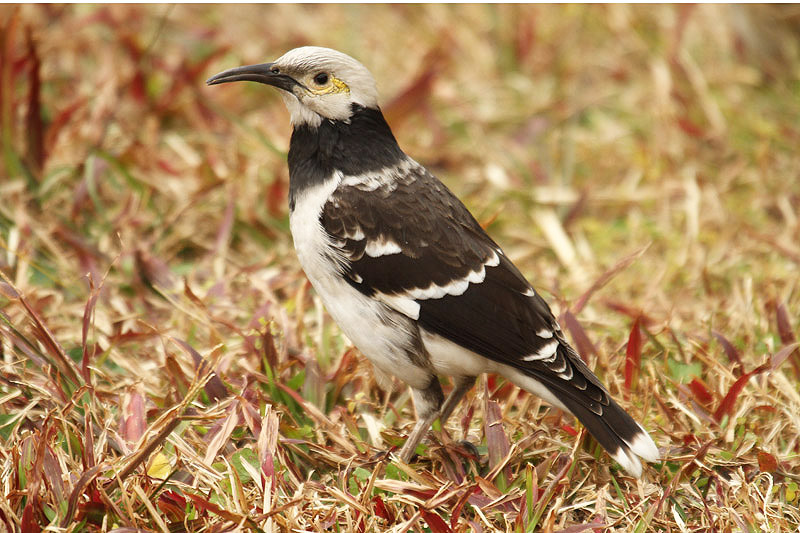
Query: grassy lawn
{"points": [[166, 366]]}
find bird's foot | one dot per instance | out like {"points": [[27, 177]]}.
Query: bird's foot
{"points": [[469, 449], [383, 456]]}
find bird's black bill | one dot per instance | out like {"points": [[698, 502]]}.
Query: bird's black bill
{"points": [[263, 73]]}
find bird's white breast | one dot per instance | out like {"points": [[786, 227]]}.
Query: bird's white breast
{"points": [[312, 243], [380, 333]]}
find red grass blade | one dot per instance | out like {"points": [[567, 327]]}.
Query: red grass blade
{"points": [[134, 422], [154, 271], [701, 392], [405, 104], [381, 509], [88, 442], [249, 412], [690, 127], [29, 523], [61, 119], [729, 401], [633, 355], [205, 505], [579, 336], [466, 420], [734, 357], [435, 522], [173, 505], [276, 197], [7, 122], [87, 321], [787, 334], [33, 118], [629, 311], [767, 462], [784, 324], [496, 438], [570, 430], [187, 75], [459, 506], [726, 406]]}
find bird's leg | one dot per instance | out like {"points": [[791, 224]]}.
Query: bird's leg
{"points": [[428, 403], [461, 384]]}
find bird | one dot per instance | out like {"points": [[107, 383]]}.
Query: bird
{"points": [[406, 271]]}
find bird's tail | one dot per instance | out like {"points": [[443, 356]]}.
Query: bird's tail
{"points": [[624, 439], [569, 384]]}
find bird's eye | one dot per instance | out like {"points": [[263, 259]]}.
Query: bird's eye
{"points": [[321, 78], [275, 70]]}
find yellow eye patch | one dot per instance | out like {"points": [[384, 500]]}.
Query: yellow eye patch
{"points": [[335, 85]]}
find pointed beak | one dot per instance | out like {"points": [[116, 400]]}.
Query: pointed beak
{"points": [[263, 73]]}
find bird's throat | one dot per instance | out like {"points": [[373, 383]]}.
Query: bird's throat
{"points": [[362, 144]]}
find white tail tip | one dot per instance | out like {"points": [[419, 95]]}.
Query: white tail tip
{"points": [[640, 446]]}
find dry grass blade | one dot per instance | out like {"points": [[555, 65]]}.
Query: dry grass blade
{"points": [[87, 477], [45, 336], [87, 319], [214, 386], [144, 452], [606, 277]]}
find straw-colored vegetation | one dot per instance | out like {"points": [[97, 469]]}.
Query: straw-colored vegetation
{"points": [[640, 164]]}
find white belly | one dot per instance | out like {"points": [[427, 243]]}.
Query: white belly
{"points": [[450, 359]]}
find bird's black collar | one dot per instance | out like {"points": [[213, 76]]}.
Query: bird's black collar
{"points": [[364, 143]]}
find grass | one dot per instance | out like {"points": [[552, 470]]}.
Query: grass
{"points": [[166, 365]]}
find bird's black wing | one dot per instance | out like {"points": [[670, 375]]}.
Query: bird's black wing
{"points": [[410, 242]]}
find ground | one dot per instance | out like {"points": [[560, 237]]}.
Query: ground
{"points": [[166, 365]]}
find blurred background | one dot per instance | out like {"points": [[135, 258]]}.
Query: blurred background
{"points": [[639, 163]]}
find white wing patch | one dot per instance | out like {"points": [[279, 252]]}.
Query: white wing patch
{"points": [[456, 287], [402, 304], [545, 333], [545, 353], [357, 236], [566, 373], [382, 247]]}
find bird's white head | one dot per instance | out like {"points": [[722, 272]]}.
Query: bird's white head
{"points": [[316, 83]]}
